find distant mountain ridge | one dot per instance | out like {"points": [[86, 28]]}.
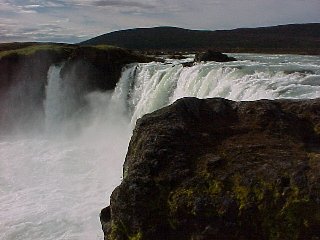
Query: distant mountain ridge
{"points": [[292, 38]]}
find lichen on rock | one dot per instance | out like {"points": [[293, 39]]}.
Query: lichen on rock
{"points": [[217, 169]]}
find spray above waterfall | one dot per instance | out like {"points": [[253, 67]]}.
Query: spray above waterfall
{"points": [[146, 87], [71, 98], [54, 184], [151, 86]]}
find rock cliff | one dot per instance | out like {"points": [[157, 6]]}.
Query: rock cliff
{"points": [[24, 69], [217, 169]]}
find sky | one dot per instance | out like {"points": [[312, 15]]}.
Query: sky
{"points": [[74, 21]]}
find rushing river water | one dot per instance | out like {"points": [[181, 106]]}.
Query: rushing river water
{"points": [[53, 184]]}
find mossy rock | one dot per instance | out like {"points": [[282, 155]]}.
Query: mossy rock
{"points": [[222, 170]]}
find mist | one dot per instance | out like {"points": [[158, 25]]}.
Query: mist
{"points": [[59, 166], [55, 181]]}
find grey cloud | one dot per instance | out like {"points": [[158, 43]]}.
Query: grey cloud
{"points": [[42, 32], [117, 3], [76, 20], [34, 4]]}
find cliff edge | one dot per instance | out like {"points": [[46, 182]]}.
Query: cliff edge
{"points": [[218, 169], [24, 76]]}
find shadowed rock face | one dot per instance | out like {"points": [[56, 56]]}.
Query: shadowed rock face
{"points": [[22, 86], [23, 77], [100, 68], [217, 169], [211, 55]]}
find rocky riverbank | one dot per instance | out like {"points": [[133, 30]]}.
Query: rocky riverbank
{"points": [[217, 169]]}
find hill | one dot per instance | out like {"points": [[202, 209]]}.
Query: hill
{"points": [[293, 38]]}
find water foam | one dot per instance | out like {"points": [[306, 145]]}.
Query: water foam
{"points": [[53, 186], [154, 85]]}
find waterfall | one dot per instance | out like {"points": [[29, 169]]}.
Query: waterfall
{"points": [[65, 103], [54, 107], [150, 86], [54, 184]]}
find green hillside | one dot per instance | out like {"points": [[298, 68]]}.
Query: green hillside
{"points": [[293, 38]]}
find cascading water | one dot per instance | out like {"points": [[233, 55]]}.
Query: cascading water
{"points": [[253, 77], [56, 94], [53, 185]]}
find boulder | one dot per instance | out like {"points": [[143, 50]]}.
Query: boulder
{"points": [[217, 169], [211, 55], [187, 64]]}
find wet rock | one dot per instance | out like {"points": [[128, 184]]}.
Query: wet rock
{"points": [[187, 64], [211, 55], [105, 217]]}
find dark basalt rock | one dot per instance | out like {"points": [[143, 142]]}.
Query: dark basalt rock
{"points": [[217, 169], [177, 56], [211, 55], [101, 68], [23, 77], [22, 86], [187, 64]]}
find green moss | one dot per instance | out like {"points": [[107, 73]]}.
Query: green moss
{"points": [[317, 129], [297, 217], [241, 192], [280, 213], [137, 236], [35, 48], [258, 192], [314, 159], [284, 220], [215, 187], [182, 203], [119, 230], [181, 199], [106, 47]]}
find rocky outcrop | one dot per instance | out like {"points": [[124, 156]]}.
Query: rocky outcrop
{"points": [[23, 79], [24, 69], [217, 169], [100, 66], [211, 55]]}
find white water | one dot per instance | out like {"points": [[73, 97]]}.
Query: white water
{"points": [[253, 77], [53, 185]]}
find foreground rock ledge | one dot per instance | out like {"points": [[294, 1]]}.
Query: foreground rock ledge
{"points": [[217, 169]]}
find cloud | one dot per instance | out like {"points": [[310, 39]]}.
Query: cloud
{"points": [[119, 3], [32, 6], [77, 20], [111, 3]]}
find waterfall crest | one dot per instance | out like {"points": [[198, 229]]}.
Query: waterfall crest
{"points": [[54, 184], [151, 86]]}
